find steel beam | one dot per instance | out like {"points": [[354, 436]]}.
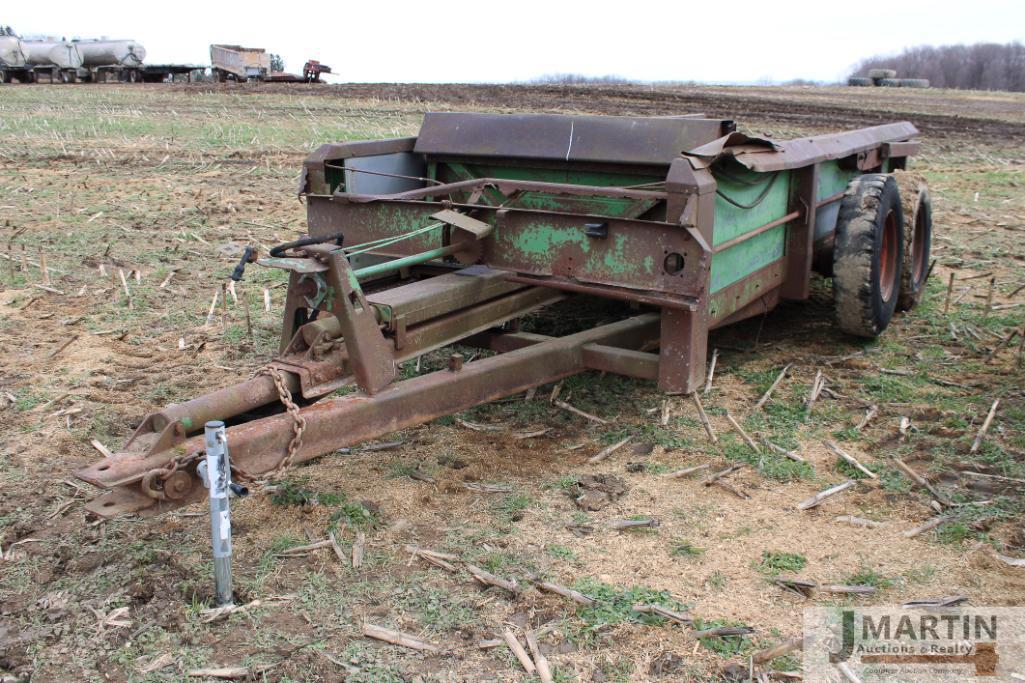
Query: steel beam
{"points": [[258, 446]]}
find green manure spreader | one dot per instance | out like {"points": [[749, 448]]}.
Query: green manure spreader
{"points": [[454, 235]]}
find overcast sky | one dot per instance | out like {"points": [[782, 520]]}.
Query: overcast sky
{"points": [[717, 41]]}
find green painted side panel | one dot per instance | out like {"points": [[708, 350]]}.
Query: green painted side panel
{"points": [[724, 303], [569, 174], [732, 221], [745, 258], [833, 179], [601, 206], [540, 244], [392, 220]]}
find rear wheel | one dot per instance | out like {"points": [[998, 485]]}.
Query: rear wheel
{"points": [[867, 261], [917, 207]]}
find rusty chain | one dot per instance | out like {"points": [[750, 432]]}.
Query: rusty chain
{"points": [[298, 421], [162, 474]]}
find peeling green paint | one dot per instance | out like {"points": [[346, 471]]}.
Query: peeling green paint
{"points": [[615, 260], [353, 282], [541, 238], [599, 206]]}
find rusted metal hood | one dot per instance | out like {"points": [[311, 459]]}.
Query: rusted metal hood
{"points": [[596, 139], [760, 154]]}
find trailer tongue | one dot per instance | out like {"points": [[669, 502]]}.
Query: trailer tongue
{"points": [[418, 243]]}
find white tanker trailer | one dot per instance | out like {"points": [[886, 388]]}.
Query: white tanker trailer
{"points": [[53, 60], [64, 61], [104, 60], [12, 57]]}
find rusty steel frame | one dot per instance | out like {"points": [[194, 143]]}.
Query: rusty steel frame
{"points": [[360, 344], [257, 446]]}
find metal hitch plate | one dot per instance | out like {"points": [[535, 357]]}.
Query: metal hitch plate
{"points": [[295, 265]]}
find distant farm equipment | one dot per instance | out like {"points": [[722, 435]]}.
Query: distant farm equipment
{"points": [[55, 60], [255, 64], [312, 70], [237, 63], [70, 61], [886, 78]]}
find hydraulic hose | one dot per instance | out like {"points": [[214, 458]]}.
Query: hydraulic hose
{"points": [[279, 251]]}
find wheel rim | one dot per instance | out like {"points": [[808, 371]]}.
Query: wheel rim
{"points": [[888, 253], [918, 247]]}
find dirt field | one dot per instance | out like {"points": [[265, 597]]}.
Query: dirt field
{"points": [[146, 181]]}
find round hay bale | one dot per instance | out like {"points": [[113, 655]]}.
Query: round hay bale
{"points": [[882, 73], [860, 81], [914, 82], [889, 82]]}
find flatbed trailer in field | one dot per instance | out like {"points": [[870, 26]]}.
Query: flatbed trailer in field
{"points": [[159, 73], [452, 236]]}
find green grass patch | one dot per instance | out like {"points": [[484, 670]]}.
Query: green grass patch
{"points": [[869, 577], [770, 464], [724, 646], [614, 604], [354, 515], [560, 552], [512, 507], [685, 549], [296, 493], [717, 580], [436, 609], [773, 563]]}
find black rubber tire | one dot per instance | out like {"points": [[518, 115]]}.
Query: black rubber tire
{"points": [[917, 206], [867, 255]]}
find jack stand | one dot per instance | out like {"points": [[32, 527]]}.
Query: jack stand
{"points": [[218, 480]]}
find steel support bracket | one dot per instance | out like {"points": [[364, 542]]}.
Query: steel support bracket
{"points": [[371, 356]]}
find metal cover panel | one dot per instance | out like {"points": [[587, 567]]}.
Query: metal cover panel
{"points": [[388, 166], [443, 294], [478, 229], [603, 139]]}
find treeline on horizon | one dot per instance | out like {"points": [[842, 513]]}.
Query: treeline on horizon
{"points": [[983, 66]]}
